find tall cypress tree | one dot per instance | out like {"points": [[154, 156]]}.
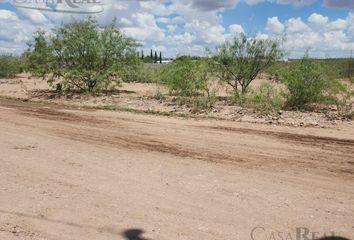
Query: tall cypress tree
{"points": [[155, 57], [151, 56], [160, 57], [142, 54]]}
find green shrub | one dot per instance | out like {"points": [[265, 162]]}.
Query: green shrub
{"points": [[266, 99], [306, 84], [341, 68], [148, 60], [10, 66], [131, 69], [342, 95], [198, 103], [81, 55], [203, 102], [158, 95], [185, 77]]}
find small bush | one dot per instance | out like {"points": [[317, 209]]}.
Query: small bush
{"points": [[264, 100], [342, 68], [267, 99], [10, 66], [198, 103], [148, 75], [342, 95], [158, 95], [203, 102], [306, 84], [185, 77], [131, 69]]}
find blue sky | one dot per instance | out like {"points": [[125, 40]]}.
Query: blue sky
{"points": [[176, 27], [254, 17]]}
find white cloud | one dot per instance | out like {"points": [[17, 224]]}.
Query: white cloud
{"points": [[274, 25], [296, 3], [180, 39], [319, 35], [171, 28], [6, 15], [14, 32], [188, 25], [262, 36], [125, 22], [318, 21], [145, 28], [338, 24], [296, 25], [157, 8], [206, 32], [236, 29], [350, 22]]}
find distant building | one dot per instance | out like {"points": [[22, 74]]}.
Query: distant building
{"points": [[166, 61]]}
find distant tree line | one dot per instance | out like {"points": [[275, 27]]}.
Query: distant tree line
{"points": [[154, 57]]}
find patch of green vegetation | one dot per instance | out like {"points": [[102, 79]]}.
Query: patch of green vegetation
{"points": [[83, 56], [266, 99], [197, 103], [10, 66], [306, 84], [110, 107], [341, 68], [185, 77], [158, 95], [342, 95], [238, 62]]}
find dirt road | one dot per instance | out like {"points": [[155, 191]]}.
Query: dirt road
{"points": [[87, 174]]}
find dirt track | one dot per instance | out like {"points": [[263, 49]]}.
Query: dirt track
{"points": [[85, 174]]}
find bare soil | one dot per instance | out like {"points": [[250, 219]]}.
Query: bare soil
{"points": [[143, 97], [70, 173]]}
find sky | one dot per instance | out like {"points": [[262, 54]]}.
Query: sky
{"points": [[325, 28]]}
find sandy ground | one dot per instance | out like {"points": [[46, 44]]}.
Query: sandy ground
{"points": [[93, 174], [142, 97]]}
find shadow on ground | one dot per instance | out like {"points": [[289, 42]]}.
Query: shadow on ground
{"points": [[129, 234], [134, 234], [53, 94]]}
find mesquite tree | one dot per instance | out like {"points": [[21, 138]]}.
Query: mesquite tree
{"points": [[239, 61], [81, 55]]}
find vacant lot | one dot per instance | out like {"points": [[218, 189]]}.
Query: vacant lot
{"points": [[85, 174], [145, 97]]}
